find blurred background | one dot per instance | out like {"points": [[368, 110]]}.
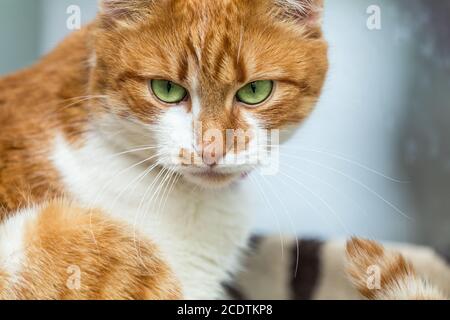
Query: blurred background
{"points": [[374, 159]]}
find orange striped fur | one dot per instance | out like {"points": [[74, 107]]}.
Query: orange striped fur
{"points": [[71, 252]]}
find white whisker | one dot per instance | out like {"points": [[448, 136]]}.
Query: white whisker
{"points": [[356, 182], [329, 185], [321, 199], [345, 159], [274, 192], [272, 211]]}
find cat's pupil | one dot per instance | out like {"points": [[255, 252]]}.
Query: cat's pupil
{"points": [[169, 86], [253, 86]]}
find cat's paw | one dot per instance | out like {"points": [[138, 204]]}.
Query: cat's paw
{"points": [[383, 274]]}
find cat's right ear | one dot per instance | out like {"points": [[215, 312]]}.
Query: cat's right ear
{"points": [[122, 10], [307, 13]]}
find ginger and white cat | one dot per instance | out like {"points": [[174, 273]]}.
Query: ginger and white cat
{"points": [[95, 135], [105, 175]]}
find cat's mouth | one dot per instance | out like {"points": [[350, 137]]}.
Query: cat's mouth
{"points": [[211, 178]]}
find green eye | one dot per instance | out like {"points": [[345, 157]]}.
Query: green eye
{"points": [[167, 91], [255, 92]]}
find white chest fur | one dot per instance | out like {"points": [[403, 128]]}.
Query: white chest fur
{"points": [[200, 232]]}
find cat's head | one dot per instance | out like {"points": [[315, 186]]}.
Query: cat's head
{"points": [[197, 81]]}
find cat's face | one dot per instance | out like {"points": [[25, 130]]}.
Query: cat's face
{"points": [[198, 80]]}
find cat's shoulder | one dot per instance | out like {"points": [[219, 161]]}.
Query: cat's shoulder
{"points": [[56, 76], [35, 104]]}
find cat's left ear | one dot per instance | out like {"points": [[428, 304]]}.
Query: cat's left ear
{"points": [[305, 12]]}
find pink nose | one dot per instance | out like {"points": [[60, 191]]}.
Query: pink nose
{"points": [[212, 154]]}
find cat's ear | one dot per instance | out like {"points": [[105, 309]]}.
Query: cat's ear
{"points": [[125, 9], [304, 12]]}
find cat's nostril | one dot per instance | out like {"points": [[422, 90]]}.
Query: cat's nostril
{"points": [[211, 159], [211, 154], [207, 156]]}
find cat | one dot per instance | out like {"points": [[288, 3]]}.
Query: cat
{"points": [[96, 133], [110, 185]]}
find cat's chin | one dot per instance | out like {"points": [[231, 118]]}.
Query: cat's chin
{"points": [[212, 180]]}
